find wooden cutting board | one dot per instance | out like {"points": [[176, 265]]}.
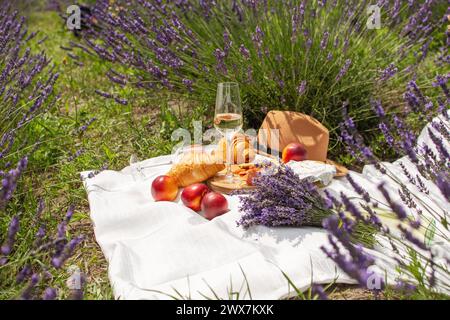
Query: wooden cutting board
{"points": [[217, 183]]}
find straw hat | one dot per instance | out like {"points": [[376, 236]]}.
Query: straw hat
{"points": [[296, 127]]}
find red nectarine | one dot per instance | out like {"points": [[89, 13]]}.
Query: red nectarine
{"points": [[214, 204], [192, 195], [293, 151]]}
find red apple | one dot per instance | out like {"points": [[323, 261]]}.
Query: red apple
{"points": [[293, 151], [164, 188], [214, 204], [192, 195]]}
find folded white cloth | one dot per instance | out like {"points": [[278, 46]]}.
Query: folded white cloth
{"points": [[160, 250]]}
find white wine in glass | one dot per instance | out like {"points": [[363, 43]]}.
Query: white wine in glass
{"points": [[228, 119]]}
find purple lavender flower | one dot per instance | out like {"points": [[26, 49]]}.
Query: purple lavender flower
{"points": [[344, 70], [76, 155], [389, 72], [23, 274], [11, 235], [88, 123], [441, 81], [188, 83], [104, 94], [65, 252], [357, 262], [397, 208], [257, 38], [358, 188], [301, 88], [317, 290], [297, 20], [324, 41], [121, 101], [396, 9], [34, 280], [244, 51], [9, 183], [220, 58], [49, 294], [443, 183], [227, 43]]}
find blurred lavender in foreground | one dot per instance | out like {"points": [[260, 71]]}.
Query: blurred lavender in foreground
{"points": [[413, 218]]}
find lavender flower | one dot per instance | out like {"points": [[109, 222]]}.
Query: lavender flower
{"points": [[227, 43], [104, 94], [317, 290], [324, 41], [257, 38], [360, 190], [12, 231], [49, 294], [276, 202], [389, 72], [356, 263], [441, 81], [220, 56], [85, 126], [27, 90], [188, 83], [281, 198], [344, 70], [244, 51], [301, 88]]}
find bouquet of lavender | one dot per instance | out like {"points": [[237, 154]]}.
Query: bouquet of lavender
{"points": [[281, 198]]}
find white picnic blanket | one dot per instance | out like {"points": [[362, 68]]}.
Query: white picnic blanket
{"points": [[163, 250]]}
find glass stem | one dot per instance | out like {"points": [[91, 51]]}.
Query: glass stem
{"points": [[229, 138]]}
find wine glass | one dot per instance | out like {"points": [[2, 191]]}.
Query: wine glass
{"points": [[228, 119]]}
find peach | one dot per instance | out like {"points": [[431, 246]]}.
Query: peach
{"points": [[192, 195], [164, 188], [213, 205], [293, 151]]}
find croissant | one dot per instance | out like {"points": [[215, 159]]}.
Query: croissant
{"points": [[243, 151], [194, 167]]}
